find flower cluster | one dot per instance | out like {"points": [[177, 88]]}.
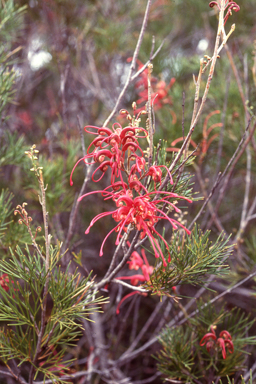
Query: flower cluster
{"points": [[229, 6], [137, 206], [224, 340], [4, 282], [160, 91], [206, 141], [110, 148], [136, 262], [25, 218]]}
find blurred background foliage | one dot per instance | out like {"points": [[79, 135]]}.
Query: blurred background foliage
{"points": [[63, 65]]}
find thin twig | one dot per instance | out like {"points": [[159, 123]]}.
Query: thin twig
{"points": [[81, 136], [93, 70], [197, 112], [220, 296], [251, 217], [238, 80], [132, 287], [34, 323], [183, 115], [68, 377], [152, 48], [150, 124], [107, 279], [74, 211], [122, 325], [45, 218], [139, 72], [80, 76], [197, 91], [243, 221], [63, 81], [133, 64], [223, 118], [12, 375], [135, 318], [184, 161], [248, 151], [232, 163], [217, 181], [148, 380], [34, 242], [146, 326], [47, 264], [114, 258]]}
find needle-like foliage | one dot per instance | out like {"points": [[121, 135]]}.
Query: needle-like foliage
{"points": [[192, 259], [184, 356], [5, 211]]}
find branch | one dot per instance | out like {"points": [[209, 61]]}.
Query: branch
{"points": [[219, 296], [12, 375], [139, 72], [132, 287], [133, 63], [197, 112], [108, 278], [146, 326], [238, 153], [47, 263]]}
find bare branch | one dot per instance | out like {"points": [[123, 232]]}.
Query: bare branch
{"points": [[133, 64], [132, 287]]}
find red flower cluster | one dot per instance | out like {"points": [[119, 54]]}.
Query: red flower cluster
{"points": [[4, 282], [229, 6], [205, 143], [119, 150], [136, 262], [110, 148], [160, 95], [224, 340]]}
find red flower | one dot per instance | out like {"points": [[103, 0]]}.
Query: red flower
{"points": [[110, 147], [229, 6], [159, 95], [208, 336], [141, 212], [224, 340], [136, 206], [205, 143], [136, 262], [4, 282], [160, 91], [156, 174]]}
